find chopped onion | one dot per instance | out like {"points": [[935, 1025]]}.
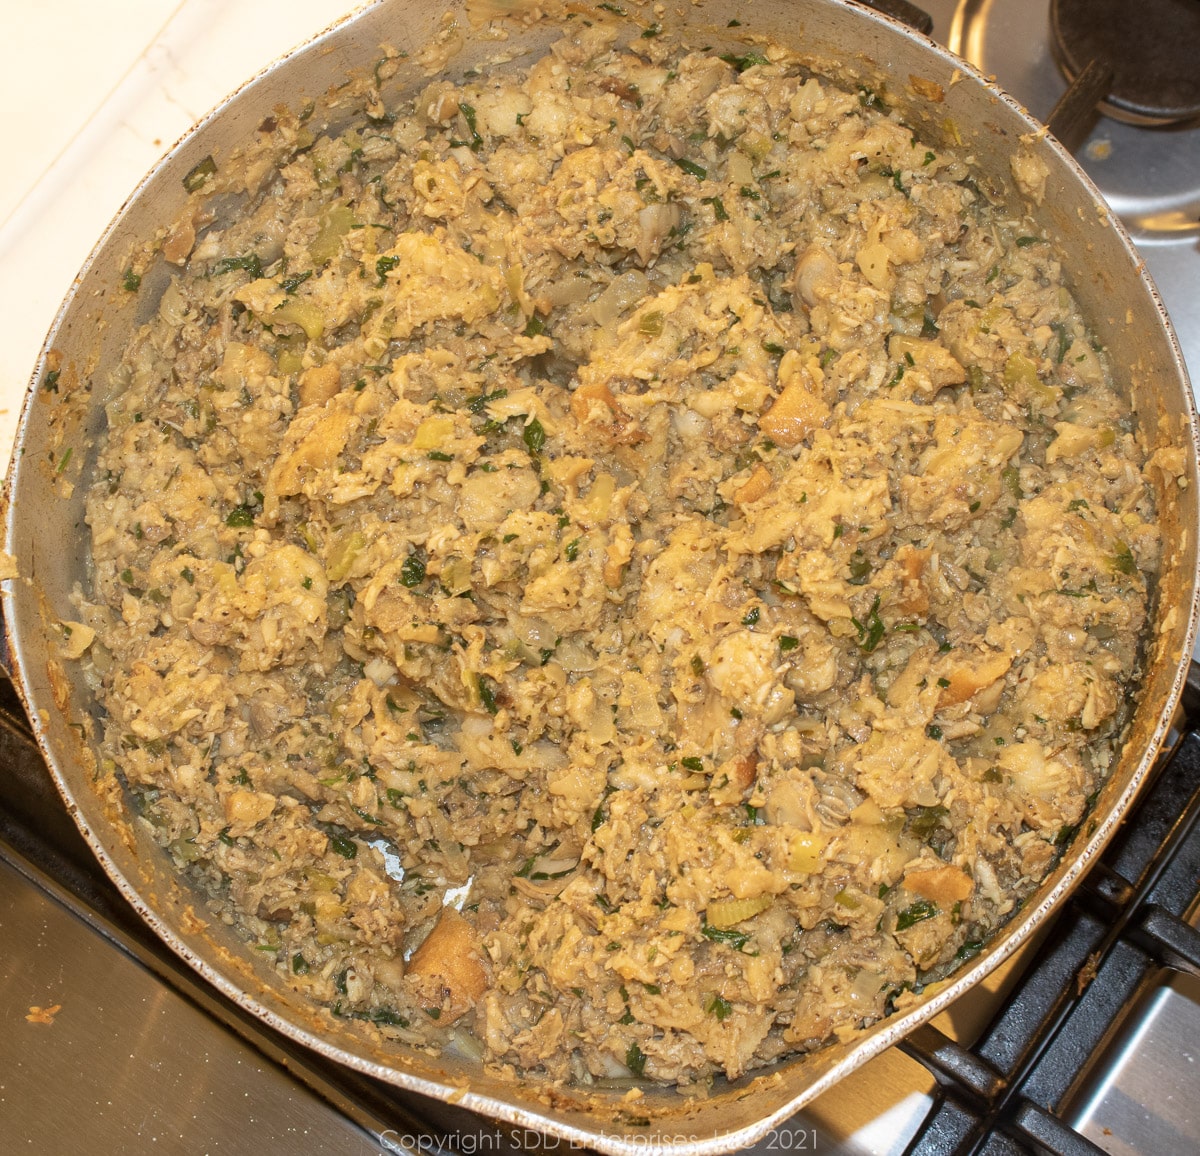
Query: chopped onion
{"points": [[865, 986], [476, 725], [575, 656], [689, 425], [624, 292], [655, 223], [462, 1043], [172, 307], [569, 291]]}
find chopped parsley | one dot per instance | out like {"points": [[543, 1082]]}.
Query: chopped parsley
{"points": [[412, 572], [719, 1007], [729, 936], [534, 436], [344, 846], [292, 283], [919, 911], [749, 60], [870, 633], [240, 517], [635, 1060], [249, 263], [198, 175], [487, 693]]}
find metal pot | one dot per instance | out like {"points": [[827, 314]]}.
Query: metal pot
{"points": [[44, 523]]}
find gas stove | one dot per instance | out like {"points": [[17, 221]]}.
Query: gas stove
{"points": [[1085, 1042], [1148, 172]]}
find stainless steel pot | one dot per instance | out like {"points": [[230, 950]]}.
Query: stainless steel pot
{"points": [[64, 410]]}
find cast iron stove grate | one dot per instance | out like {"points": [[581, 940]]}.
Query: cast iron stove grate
{"points": [[1011, 1091], [1150, 48]]}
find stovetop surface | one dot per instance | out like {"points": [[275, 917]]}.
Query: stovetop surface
{"points": [[1149, 176]]}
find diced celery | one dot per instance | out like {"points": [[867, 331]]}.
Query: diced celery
{"points": [[804, 852], [1020, 370], [345, 549], [456, 575], [302, 313], [335, 223], [432, 432], [289, 361], [755, 145], [651, 324], [726, 913]]}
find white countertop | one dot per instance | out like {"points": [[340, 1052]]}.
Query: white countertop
{"points": [[96, 94]]}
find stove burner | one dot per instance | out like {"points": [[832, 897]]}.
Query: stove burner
{"points": [[1152, 48]]}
